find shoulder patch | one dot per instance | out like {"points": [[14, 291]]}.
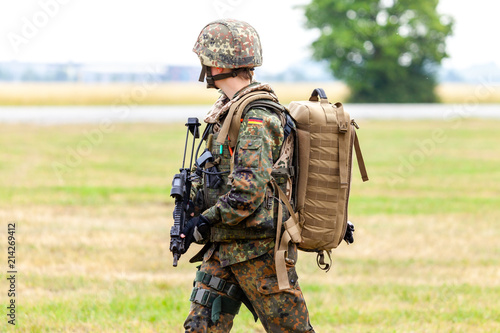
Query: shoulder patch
{"points": [[255, 121]]}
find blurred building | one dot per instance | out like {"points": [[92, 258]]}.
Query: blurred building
{"points": [[107, 73], [92, 73]]}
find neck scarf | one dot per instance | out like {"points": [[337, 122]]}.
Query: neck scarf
{"points": [[223, 103]]}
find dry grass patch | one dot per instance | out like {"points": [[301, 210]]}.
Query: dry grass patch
{"points": [[144, 94], [109, 269], [196, 93], [469, 94]]}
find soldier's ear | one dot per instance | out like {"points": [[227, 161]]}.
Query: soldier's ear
{"points": [[217, 70]]}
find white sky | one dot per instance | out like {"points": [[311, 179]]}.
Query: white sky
{"points": [[163, 31]]}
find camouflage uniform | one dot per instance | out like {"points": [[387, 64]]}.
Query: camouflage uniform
{"points": [[239, 262]]}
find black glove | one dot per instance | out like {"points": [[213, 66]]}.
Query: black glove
{"points": [[190, 208], [196, 230], [349, 233]]}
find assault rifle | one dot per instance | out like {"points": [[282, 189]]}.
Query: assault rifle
{"points": [[181, 190]]}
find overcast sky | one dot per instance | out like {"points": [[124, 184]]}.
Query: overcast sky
{"points": [[161, 31]]}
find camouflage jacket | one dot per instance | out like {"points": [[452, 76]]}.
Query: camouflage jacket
{"points": [[242, 209]]}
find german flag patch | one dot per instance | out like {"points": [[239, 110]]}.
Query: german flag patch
{"points": [[254, 121]]}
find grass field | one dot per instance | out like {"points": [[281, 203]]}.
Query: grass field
{"points": [[92, 216], [196, 93]]}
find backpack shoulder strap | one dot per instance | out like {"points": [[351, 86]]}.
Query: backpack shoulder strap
{"points": [[231, 125]]}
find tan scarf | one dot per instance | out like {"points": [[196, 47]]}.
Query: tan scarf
{"points": [[223, 103]]}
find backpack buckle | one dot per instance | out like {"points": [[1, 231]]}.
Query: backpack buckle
{"points": [[354, 123], [343, 127]]}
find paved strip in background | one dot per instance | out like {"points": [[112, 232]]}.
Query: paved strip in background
{"points": [[96, 114]]}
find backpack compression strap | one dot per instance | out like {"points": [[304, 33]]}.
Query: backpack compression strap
{"points": [[359, 155], [281, 246], [336, 114]]}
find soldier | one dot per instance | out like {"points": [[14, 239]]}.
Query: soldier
{"points": [[238, 220]]}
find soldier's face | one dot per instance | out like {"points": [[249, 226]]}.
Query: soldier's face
{"points": [[214, 71]]}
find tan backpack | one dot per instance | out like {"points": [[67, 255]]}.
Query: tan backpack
{"points": [[325, 136]]}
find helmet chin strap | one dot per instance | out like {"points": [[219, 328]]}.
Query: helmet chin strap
{"points": [[207, 72]]}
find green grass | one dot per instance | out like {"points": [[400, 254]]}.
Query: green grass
{"points": [[126, 306], [135, 163], [93, 236]]}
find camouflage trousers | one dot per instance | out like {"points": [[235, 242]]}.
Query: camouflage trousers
{"points": [[279, 311]]}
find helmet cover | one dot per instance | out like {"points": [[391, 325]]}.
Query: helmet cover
{"points": [[229, 43]]}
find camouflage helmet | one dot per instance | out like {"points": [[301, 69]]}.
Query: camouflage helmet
{"points": [[229, 43]]}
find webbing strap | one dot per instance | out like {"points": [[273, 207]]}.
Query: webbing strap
{"points": [[342, 118], [321, 196], [318, 210], [322, 183], [231, 125], [217, 234], [343, 121], [219, 284], [293, 230], [317, 238], [281, 246], [359, 157], [324, 170], [323, 156], [323, 143], [343, 154], [280, 261], [318, 128], [227, 288], [328, 110], [216, 302]]}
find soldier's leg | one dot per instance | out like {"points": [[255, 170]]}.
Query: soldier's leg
{"points": [[279, 311], [215, 298]]}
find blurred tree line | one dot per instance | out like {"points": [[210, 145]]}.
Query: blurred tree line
{"points": [[385, 50]]}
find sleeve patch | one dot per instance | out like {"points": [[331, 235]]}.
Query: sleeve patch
{"points": [[255, 121]]}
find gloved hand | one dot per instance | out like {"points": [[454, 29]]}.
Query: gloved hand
{"points": [[196, 230], [190, 208], [349, 233]]}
